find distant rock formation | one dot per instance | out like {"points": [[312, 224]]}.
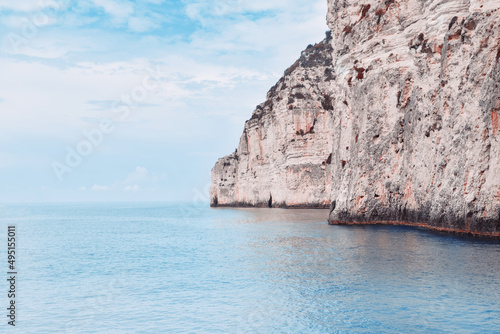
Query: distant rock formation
{"points": [[284, 155], [393, 118]]}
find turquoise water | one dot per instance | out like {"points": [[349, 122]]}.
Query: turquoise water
{"points": [[165, 268]]}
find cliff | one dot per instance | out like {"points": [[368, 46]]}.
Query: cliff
{"points": [[284, 155], [403, 98]]}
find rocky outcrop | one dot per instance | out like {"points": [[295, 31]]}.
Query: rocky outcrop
{"points": [[416, 114], [412, 120], [284, 155]]}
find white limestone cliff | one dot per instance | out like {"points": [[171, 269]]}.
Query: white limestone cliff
{"points": [[283, 159]]}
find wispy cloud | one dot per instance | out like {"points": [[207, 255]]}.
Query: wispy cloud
{"points": [[107, 105], [140, 174], [135, 181], [206, 10], [26, 5], [143, 24], [214, 61], [19, 21], [97, 187], [156, 2], [273, 25], [118, 10]]}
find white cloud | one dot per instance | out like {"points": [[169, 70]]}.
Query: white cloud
{"points": [[82, 188], [276, 33], [205, 10], [28, 5], [217, 68], [142, 24], [135, 181], [40, 49], [210, 81], [60, 107], [20, 22], [140, 174], [141, 178], [96, 187], [119, 10], [74, 20]]}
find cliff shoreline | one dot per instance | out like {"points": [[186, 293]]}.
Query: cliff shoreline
{"points": [[485, 235], [266, 205], [393, 118]]}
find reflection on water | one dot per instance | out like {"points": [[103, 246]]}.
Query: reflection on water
{"points": [[370, 278], [156, 268]]}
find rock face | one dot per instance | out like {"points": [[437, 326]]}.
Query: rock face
{"points": [[407, 104], [284, 155]]}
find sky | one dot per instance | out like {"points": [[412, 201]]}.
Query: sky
{"points": [[118, 100]]}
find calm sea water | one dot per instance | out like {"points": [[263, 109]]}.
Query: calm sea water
{"points": [[183, 268]]}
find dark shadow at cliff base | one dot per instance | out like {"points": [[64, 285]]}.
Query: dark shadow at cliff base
{"points": [[489, 229], [466, 224], [438, 229]]}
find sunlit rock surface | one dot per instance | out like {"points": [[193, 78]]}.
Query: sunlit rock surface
{"points": [[283, 158]]}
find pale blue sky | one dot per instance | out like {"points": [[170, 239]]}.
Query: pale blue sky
{"points": [[177, 79]]}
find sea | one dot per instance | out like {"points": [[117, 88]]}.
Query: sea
{"points": [[188, 268]]}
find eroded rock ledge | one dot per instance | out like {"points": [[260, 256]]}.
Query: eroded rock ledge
{"points": [[393, 118]]}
